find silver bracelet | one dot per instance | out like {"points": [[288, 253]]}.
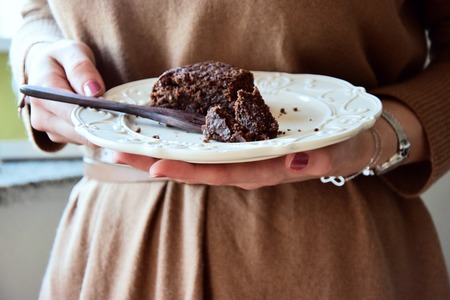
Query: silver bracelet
{"points": [[403, 151], [404, 146]]}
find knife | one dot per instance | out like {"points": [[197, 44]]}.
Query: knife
{"points": [[188, 121]]}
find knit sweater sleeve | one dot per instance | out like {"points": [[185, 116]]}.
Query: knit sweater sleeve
{"points": [[38, 27], [428, 95]]}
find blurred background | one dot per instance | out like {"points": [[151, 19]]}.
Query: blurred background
{"points": [[34, 187], [9, 21]]}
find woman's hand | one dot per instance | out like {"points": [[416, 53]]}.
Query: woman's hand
{"points": [[342, 159], [67, 65], [328, 161]]}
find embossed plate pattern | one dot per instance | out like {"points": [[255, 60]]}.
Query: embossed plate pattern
{"points": [[313, 111]]}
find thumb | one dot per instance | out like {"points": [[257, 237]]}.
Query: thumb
{"points": [[78, 61], [93, 88]]}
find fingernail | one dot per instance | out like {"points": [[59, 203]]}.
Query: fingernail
{"points": [[152, 173], [299, 162], [155, 175], [91, 88]]}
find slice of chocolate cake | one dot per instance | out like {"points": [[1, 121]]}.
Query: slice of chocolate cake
{"points": [[199, 86], [226, 95]]}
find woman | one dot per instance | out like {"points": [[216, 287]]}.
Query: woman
{"points": [[259, 230]]}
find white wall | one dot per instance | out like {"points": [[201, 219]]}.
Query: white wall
{"points": [[438, 202]]}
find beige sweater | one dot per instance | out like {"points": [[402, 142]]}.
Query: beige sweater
{"points": [[380, 45], [380, 48]]}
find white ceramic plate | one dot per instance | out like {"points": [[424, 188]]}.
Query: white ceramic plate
{"points": [[313, 111]]}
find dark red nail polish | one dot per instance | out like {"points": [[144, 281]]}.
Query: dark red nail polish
{"points": [[299, 162]]}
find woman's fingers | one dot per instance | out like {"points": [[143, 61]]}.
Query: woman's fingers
{"points": [[249, 175], [137, 161], [52, 118], [66, 65], [343, 159]]}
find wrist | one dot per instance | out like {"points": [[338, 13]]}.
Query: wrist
{"points": [[385, 156]]}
